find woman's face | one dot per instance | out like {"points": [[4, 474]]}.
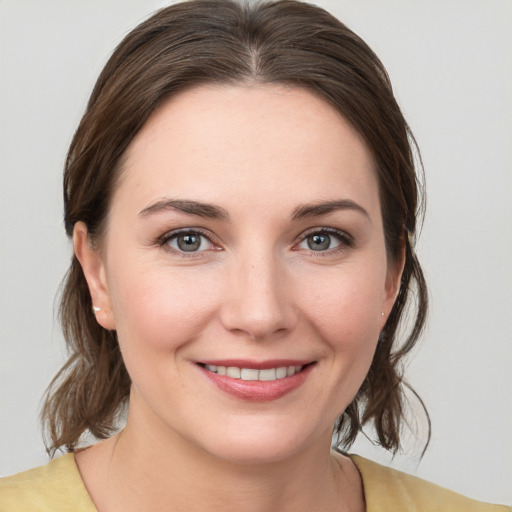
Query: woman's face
{"points": [[244, 270]]}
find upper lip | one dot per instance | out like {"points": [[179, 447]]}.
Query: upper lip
{"points": [[256, 365]]}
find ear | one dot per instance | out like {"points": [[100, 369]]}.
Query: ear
{"points": [[392, 285], [93, 267]]}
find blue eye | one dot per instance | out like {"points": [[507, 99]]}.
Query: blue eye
{"points": [[189, 241], [325, 240], [319, 242]]}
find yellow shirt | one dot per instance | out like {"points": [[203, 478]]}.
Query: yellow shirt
{"points": [[58, 487]]}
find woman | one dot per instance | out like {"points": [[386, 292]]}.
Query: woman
{"points": [[242, 200]]}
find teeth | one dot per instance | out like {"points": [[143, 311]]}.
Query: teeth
{"points": [[268, 374], [248, 374], [233, 371], [281, 372]]}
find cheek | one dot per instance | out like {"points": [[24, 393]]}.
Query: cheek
{"points": [[346, 314], [159, 309], [347, 304]]}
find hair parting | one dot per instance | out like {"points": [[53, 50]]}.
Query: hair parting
{"points": [[198, 42]]}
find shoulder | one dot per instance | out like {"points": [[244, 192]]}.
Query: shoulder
{"points": [[56, 487], [387, 489]]}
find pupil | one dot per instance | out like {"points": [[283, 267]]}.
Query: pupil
{"points": [[319, 242], [189, 242]]}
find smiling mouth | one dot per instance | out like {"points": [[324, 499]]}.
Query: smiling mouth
{"points": [[252, 374], [257, 381]]}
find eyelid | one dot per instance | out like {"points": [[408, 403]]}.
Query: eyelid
{"points": [[169, 235], [346, 239]]}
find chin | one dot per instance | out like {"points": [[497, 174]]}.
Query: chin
{"points": [[262, 444]]}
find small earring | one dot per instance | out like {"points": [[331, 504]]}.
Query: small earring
{"points": [[96, 309], [382, 314]]}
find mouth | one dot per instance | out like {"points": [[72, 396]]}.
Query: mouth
{"points": [[253, 374], [257, 381]]}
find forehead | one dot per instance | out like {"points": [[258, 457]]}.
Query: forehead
{"points": [[269, 144]]}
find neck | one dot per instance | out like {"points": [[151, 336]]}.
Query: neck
{"points": [[163, 471]]}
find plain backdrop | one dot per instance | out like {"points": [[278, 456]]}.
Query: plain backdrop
{"points": [[451, 66]]}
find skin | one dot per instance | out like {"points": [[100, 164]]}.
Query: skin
{"points": [[255, 290]]}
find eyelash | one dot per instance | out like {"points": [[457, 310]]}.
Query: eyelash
{"points": [[164, 240], [346, 241]]}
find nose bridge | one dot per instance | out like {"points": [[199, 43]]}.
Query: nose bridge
{"points": [[259, 302]]}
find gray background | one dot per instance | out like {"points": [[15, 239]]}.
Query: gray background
{"points": [[450, 63]]}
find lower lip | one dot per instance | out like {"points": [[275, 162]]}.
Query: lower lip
{"points": [[257, 390]]}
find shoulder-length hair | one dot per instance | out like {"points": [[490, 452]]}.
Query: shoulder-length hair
{"points": [[222, 41]]}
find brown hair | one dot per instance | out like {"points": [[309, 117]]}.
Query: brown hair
{"points": [[222, 41]]}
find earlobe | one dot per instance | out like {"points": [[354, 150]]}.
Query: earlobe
{"points": [[93, 268]]}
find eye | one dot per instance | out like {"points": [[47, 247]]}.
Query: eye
{"points": [[320, 242], [188, 241], [324, 240]]}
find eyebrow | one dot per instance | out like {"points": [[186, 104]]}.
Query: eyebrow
{"points": [[317, 209], [212, 211], [206, 210]]}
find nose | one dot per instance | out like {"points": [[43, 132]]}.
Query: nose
{"points": [[259, 302]]}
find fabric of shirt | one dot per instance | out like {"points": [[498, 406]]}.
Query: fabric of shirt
{"points": [[58, 487]]}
